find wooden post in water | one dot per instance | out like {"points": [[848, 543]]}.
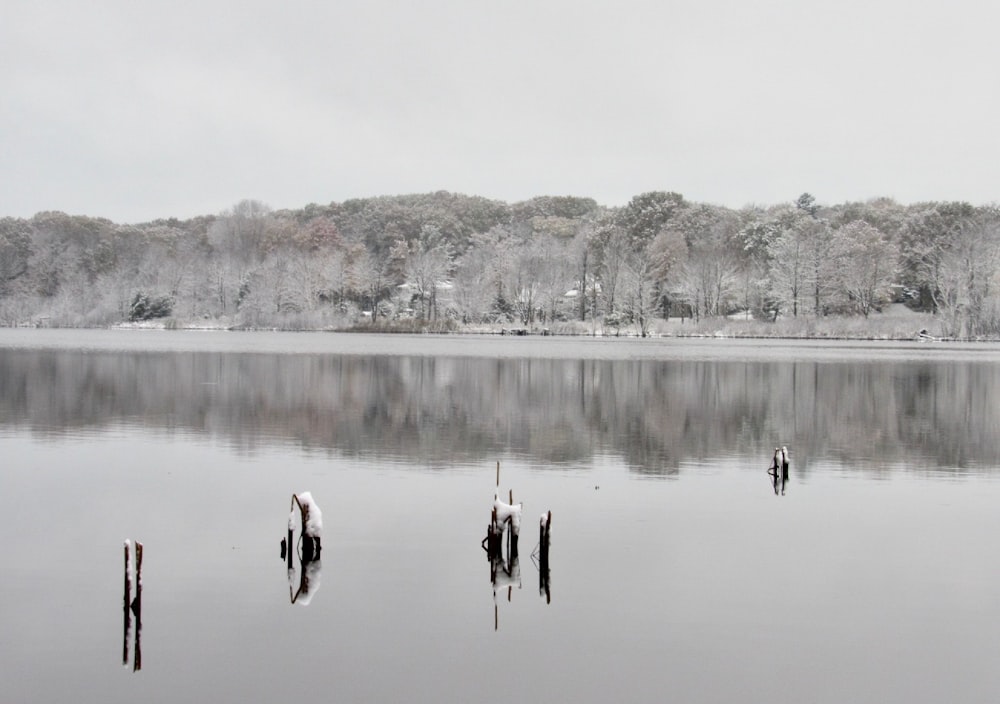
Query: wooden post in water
{"points": [[512, 543], [502, 517], [137, 609], [544, 527], [504, 570], [137, 602], [311, 544], [133, 606], [494, 535], [127, 617], [290, 545], [510, 500]]}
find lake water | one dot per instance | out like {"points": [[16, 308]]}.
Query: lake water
{"points": [[679, 570]]}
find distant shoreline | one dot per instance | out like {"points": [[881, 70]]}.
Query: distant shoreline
{"points": [[724, 333], [896, 323]]}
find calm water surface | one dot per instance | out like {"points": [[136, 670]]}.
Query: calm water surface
{"points": [[678, 570]]}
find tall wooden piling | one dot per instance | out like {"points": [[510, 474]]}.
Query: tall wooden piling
{"points": [[137, 602], [311, 540], [287, 546], [512, 535], [137, 609], [544, 526], [132, 607], [127, 616]]}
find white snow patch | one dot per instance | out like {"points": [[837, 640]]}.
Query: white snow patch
{"points": [[314, 517], [505, 511], [128, 560], [507, 579]]}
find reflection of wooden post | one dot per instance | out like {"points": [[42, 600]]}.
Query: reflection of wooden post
{"points": [[309, 581], [137, 660], [544, 534]]}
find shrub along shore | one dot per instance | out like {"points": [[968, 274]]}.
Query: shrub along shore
{"points": [[895, 322]]}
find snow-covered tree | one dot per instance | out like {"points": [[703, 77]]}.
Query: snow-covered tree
{"points": [[867, 264]]}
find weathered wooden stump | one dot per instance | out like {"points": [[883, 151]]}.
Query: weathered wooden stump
{"points": [[505, 516], [127, 615], [778, 469], [133, 606], [312, 526], [311, 522]]}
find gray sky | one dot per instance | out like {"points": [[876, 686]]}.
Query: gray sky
{"points": [[136, 110]]}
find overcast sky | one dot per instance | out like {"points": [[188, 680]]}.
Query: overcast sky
{"points": [[140, 110]]}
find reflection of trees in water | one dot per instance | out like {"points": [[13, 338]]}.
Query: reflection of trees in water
{"points": [[656, 415]]}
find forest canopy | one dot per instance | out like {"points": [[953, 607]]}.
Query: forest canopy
{"points": [[449, 260]]}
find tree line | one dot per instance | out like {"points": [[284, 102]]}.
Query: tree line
{"points": [[446, 259]]}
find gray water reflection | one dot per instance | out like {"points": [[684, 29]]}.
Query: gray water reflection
{"points": [[707, 588], [655, 415]]}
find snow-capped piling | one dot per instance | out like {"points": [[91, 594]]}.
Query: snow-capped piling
{"points": [[778, 469], [137, 609], [133, 606], [312, 525], [544, 526], [504, 515], [128, 573], [137, 602], [779, 462], [311, 518], [508, 513], [127, 615]]}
